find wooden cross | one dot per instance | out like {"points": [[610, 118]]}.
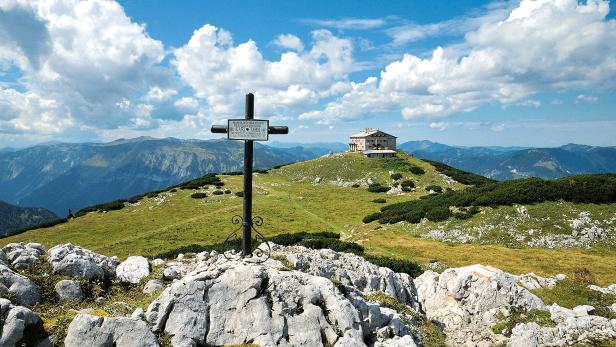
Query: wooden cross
{"points": [[248, 130]]}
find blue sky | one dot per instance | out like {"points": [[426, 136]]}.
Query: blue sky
{"points": [[530, 73]]}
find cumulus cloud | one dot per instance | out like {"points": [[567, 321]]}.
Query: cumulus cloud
{"points": [[221, 72], [289, 41], [547, 45], [439, 125], [83, 57], [586, 98]]}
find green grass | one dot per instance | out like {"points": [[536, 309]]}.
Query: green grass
{"points": [[289, 201], [518, 316]]}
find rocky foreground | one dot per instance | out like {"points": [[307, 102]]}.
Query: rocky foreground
{"points": [[299, 297]]}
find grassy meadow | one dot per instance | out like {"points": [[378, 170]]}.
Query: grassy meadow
{"points": [[289, 199]]}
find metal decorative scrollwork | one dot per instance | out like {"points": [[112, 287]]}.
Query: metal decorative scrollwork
{"points": [[261, 253]]}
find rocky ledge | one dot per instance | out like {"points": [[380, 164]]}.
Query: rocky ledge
{"points": [[299, 297]]}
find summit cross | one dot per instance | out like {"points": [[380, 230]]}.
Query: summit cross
{"points": [[248, 130]]}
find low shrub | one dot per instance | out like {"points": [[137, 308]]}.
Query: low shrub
{"points": [[233, 173], [407, 189], [108, 206], [439, 213], [459, 175], [204, 181], [462, 215], [227, 191], [198, 195], [435, 188], [173, 190], [261, 171], [378, 188], [152, 194], [333, 244], [395, 176], [239, 194], [379, 201], [417, 170], [397, 265], [407, 183], [372, 217], [218, 192], [355, 185]]}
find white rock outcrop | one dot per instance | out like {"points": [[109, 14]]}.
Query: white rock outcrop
{"points": [[68, 290], [80, 263], [133, 269], [22, 255], [466, 301], [87, 330], [23, 289], [19, 324], [233, 302]]}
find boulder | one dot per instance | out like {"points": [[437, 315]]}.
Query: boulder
{"points": [[133, 269], [80, 263], [24, 290], [172, 272], [19, 324], [226, 302], [574, 326], [87, 330], [158, 262], [350, 269], [22, 255], [68, 290], [466, 300], [153, 286]]}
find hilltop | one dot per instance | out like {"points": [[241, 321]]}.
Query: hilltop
{"points": [[335, 193]]}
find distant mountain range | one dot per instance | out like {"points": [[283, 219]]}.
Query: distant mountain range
{"points": [[14, 217], [62, 176], [504, 163]]}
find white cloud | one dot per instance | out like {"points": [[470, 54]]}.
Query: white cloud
{"points": [[439, 125], [498, 127], [221, 72], [187, 104], [157, 93], [85, 57], [586, 98], [289, 41], [347, 23], [549, 46]]}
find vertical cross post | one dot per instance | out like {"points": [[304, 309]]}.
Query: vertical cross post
{"points": [[248, 149]]}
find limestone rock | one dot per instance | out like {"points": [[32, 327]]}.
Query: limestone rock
{"points": [[25, 291], [87, 330], [467, 300], [133, 269], [574, 326], [226, 302], [19, 324], [158, 262], [80, 263], [350, 269], [68, 290], [532, 281], [22, 255], [172, 272], [153, 286]]}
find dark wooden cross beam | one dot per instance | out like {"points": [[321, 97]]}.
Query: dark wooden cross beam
{"points": [[248, 130]]}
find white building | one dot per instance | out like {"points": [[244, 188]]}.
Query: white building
{"points": [[373, 143]]}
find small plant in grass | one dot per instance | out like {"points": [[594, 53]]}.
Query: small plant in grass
{"points": [[198, 195], [395, 176], [518, 316], [397, 265], [218, 192], [239, 194], [227, 191], [173, 190], [417, 170], [379, 201], [378, 188], [355, 185], [407, 183], [372, 217]]}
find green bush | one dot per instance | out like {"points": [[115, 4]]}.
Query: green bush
{"points": [[240, 194], [379, 201], [261, 171], [108, 206], [355, 185], [198, 195], [597, 188], [395, 176], [152, 194], [407, 183], [227, 191], [397, 265], [462, 215], [459, 175], [291, 239], [204, 181], [333, 244], [407, 189], [437, 214], [372, 217], [377, 188], [417, 170], [434, 188], [173, 190], [218, 192]]}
